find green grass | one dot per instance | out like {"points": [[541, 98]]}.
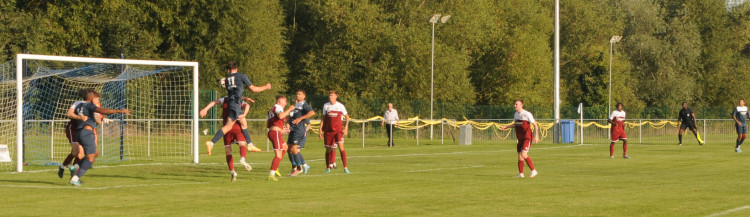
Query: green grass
{"points": [[408, 180]]}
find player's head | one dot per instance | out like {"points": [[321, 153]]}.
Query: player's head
{"points": [[390, 106], [91, 94], [223, 83], [619, 106], [742, 102], [83, 93], [301, 95], [684, 105], [332, 96], [518, 105], [281, 100], [231, 67]]}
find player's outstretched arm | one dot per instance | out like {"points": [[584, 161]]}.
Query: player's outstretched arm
{"points": [[248, 99], [106, 111], [285, 114], [210, 105], [306, 116], [256, 89], [72, 115]]}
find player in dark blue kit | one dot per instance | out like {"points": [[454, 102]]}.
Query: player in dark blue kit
{"points": [[685, 121], [740, 116], [235, 84], [299, 123], [85, 126]]}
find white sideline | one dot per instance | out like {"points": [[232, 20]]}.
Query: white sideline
{"points": [[729, 211], [99, 188]]}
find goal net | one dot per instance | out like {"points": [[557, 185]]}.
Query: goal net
{"points": [[161, 127]]}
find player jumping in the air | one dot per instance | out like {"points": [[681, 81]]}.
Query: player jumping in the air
{"points": [[275, 123], [522, 123], [740, 116], [687, 120], [332, 132], [233, 136], [299, 123], [617, 120], [85, 132], [235, 84]]}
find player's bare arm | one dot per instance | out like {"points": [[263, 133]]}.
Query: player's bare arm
{"points": [[248, 99], [257, 89], [106, 111], [245, 111], [306, 116], [320, 130], [285, 114], [210, 105], [72, 115]]}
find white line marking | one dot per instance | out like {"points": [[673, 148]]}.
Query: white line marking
{"points": [[729, 211], [451, 168], [99, 188]]}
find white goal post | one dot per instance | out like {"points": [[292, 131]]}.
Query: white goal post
{"points": [[21, 78]]}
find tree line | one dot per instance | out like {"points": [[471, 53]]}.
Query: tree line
{"points": [[488, 53]]}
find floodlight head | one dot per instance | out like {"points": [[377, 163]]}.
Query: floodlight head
{"points": [[615, 39], [435, 18], [445, 18]]}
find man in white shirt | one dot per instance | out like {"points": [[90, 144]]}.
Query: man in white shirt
{"points": [[390, 118]]}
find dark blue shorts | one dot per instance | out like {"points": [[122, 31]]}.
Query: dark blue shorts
{"points": [[233, 112], [87, 139], [741, 129], [297, 138]]}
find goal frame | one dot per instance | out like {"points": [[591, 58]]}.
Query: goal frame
{"points": [[19, 92]]}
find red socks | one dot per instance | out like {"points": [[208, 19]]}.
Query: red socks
{"points": [[520, 166], [343, 157], [276, 161], [612, 149], [68, 159], [328, 159], [230, 162], [243, 151], [333, 156], [528, 161]]}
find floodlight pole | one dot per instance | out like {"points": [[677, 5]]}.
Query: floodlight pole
{"points": [[435, 18], [557, 130]]}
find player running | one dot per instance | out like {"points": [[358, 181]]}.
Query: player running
{"points": [[299, 123], [85, 127], [522, 122], [275, 123], [233, 136], [331, 130], [740, 116], [617, 120], [235, 84], [687, 120]]}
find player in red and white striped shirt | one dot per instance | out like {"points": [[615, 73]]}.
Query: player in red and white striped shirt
{"points": [[522, 123], [276, 118], [617, 119], [332, 131]]}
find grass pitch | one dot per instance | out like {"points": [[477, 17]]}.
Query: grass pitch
{"points": [[407, 180]]}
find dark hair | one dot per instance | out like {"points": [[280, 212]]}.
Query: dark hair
{"points": [[333, 92], [518, 100], [619, 104], [82, 93], [303, 91], [89, 92], [231, 65], [684, 103]]}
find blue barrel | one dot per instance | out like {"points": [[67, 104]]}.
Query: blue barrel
{"points": [[568, 128]]}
